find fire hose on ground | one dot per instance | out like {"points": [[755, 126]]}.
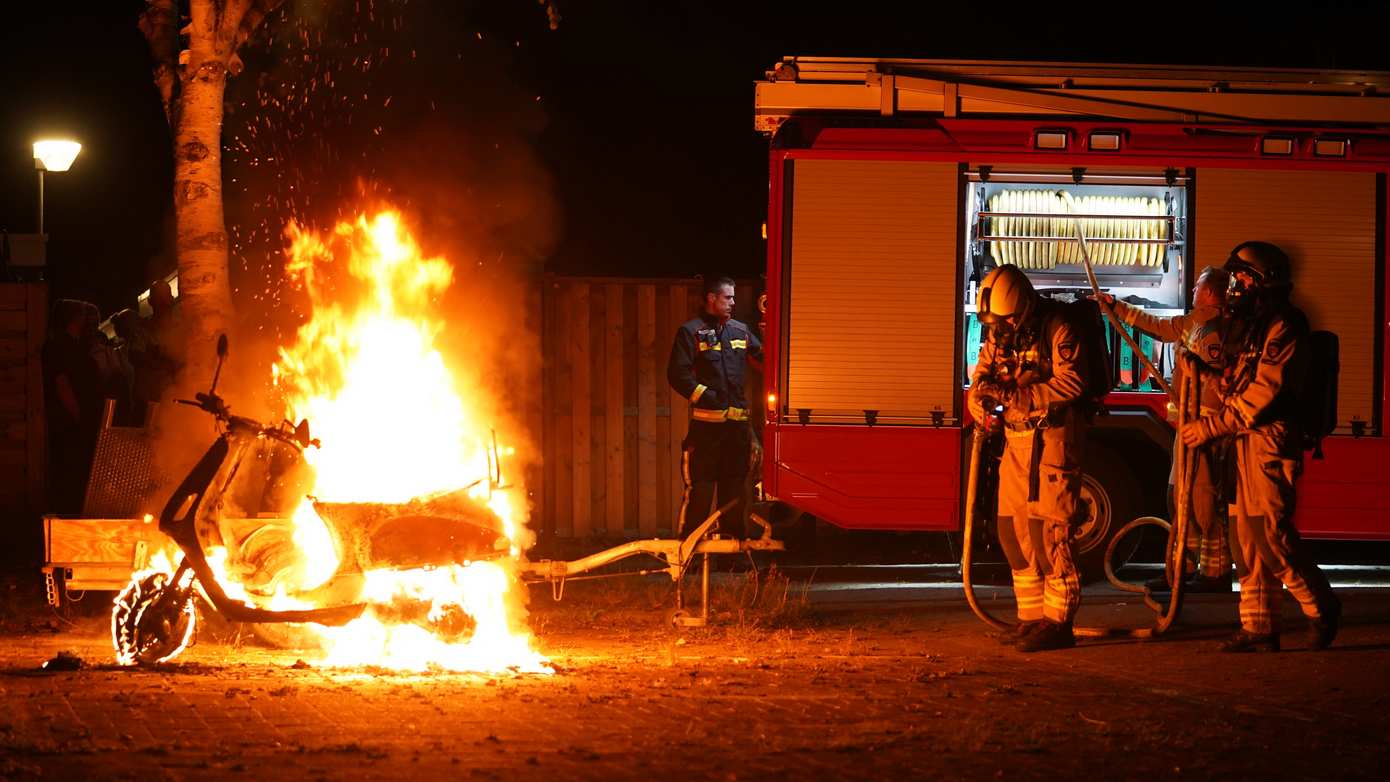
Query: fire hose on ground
{"points": [[1174, 552]]}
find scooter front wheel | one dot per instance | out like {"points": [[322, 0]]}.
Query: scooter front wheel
{"points": [[152, 621]]}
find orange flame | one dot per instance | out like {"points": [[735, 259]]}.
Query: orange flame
{"points": [[397, 424]]}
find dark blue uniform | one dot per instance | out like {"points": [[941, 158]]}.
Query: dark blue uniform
{"points": [[708, 366]]}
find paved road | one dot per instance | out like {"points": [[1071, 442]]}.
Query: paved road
{"points": [[868, 683]]}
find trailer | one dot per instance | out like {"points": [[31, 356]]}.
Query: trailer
{"points": [[896, 184]]}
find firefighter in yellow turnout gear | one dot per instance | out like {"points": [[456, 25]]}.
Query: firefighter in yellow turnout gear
{"points": [[1199, 333], [1261, 413], [1030, 365], [708, 363]]}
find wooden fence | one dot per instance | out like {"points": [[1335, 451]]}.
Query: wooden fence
{"points": [[23, 314], [612, 427]]}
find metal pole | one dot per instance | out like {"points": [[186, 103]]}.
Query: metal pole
{"points": [[704, 589], [40, 204]]}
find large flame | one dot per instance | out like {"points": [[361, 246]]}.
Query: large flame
{"points": [[398, 422], [372, 380]]}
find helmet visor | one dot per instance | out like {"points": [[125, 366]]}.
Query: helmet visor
{"points": [[1237, 265], [988, 310], [982, 309]]}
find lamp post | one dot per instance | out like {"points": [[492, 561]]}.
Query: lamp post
{"points": [[52, 155]]}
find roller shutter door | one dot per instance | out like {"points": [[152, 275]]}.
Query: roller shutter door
{"points": [[873, 290], [1326, 222]]}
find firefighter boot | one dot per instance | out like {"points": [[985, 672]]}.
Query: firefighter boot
{"points": [[1052, 635], [1021, 632], [1322, 630], [1244, 641]]}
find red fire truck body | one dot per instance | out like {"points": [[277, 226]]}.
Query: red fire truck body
{"points": [[892, 183]]}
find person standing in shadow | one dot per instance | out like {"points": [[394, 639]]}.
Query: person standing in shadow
{"points": [[72, 396]]}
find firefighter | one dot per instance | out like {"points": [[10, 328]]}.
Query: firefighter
{"points": [[1030, 366], [709, 359], [1198, 333], [1261, 414]]}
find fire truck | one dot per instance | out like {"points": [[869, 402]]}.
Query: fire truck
{"points": [[896, 184]]}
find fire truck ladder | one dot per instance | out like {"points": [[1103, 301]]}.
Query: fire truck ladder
{"points": [[1139, 93]]}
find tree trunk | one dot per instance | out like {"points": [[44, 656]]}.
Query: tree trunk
{"points": [[201, 244]]}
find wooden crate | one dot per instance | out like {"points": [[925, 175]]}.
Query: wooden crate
{"points": [[98, 553], [91, 553], [23, 314], [611, 425]]}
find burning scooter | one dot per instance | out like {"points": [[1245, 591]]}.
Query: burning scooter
{"points": [[154, 616]]}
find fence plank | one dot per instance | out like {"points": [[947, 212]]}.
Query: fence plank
{"points": [[564, 415], [662, 400], [549, 404], [533, 410], [680, 408], [646, 408], [577, 328], [630, 461], [598, 407], [613, 421]]}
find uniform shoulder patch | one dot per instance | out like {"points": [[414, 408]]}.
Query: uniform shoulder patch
{"points": [[1214, 352], [1067, 350]]}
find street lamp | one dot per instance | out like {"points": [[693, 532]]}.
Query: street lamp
{"points": [[52, 155]]}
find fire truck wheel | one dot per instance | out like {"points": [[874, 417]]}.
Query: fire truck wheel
{"points": [[789, 525], [1109, 494]]}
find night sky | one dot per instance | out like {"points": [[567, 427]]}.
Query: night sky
{"points": [[620, 143]]}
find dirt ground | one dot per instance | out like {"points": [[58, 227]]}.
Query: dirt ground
{"points": [[868, 684]]}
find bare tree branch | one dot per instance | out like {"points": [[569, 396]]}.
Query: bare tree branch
{"points": [[201, 30], [229, 23], [160, 23], [256, 14], [259, 10]]}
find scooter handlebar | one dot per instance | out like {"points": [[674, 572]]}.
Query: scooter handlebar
{"points": [[211, 403], [214, 404]]}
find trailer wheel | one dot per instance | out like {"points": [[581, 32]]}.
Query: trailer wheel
{"points": [[1110, 496]]}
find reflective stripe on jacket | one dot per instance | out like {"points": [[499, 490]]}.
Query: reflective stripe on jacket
{"points": [[708, 365]]}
